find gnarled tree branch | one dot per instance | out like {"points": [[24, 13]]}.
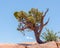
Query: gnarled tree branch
{"points": [[30, 25], [21, 28], [46, 12], [46, 23]]}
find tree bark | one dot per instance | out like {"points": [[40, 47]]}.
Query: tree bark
{"points": [[37, 36]]}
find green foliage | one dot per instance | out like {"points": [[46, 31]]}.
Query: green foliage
{"points": [[49, 35], [39, 16], [20, 15], [15, 14], [33, 16], [31, 19], [36, 14]]}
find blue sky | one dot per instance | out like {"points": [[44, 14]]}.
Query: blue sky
{"points": [[8, 23]]}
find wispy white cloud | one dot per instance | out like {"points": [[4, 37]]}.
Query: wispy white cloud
{"points": [[29, 37]]}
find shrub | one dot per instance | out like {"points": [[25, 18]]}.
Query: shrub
{"points": [[49, 35]]}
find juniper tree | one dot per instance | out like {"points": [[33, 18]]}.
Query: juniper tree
{"points": [[33, 20]]}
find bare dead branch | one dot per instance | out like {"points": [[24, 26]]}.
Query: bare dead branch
{"points": [[46, 23], [46, 12]]}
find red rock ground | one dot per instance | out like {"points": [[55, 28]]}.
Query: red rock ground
{"points": [[51, 44]]}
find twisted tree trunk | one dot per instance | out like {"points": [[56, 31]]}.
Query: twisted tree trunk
{"points": [[37, 35], [38, 38]]}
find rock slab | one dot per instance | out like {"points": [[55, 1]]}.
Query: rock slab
{"points": [[51, 44]]}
